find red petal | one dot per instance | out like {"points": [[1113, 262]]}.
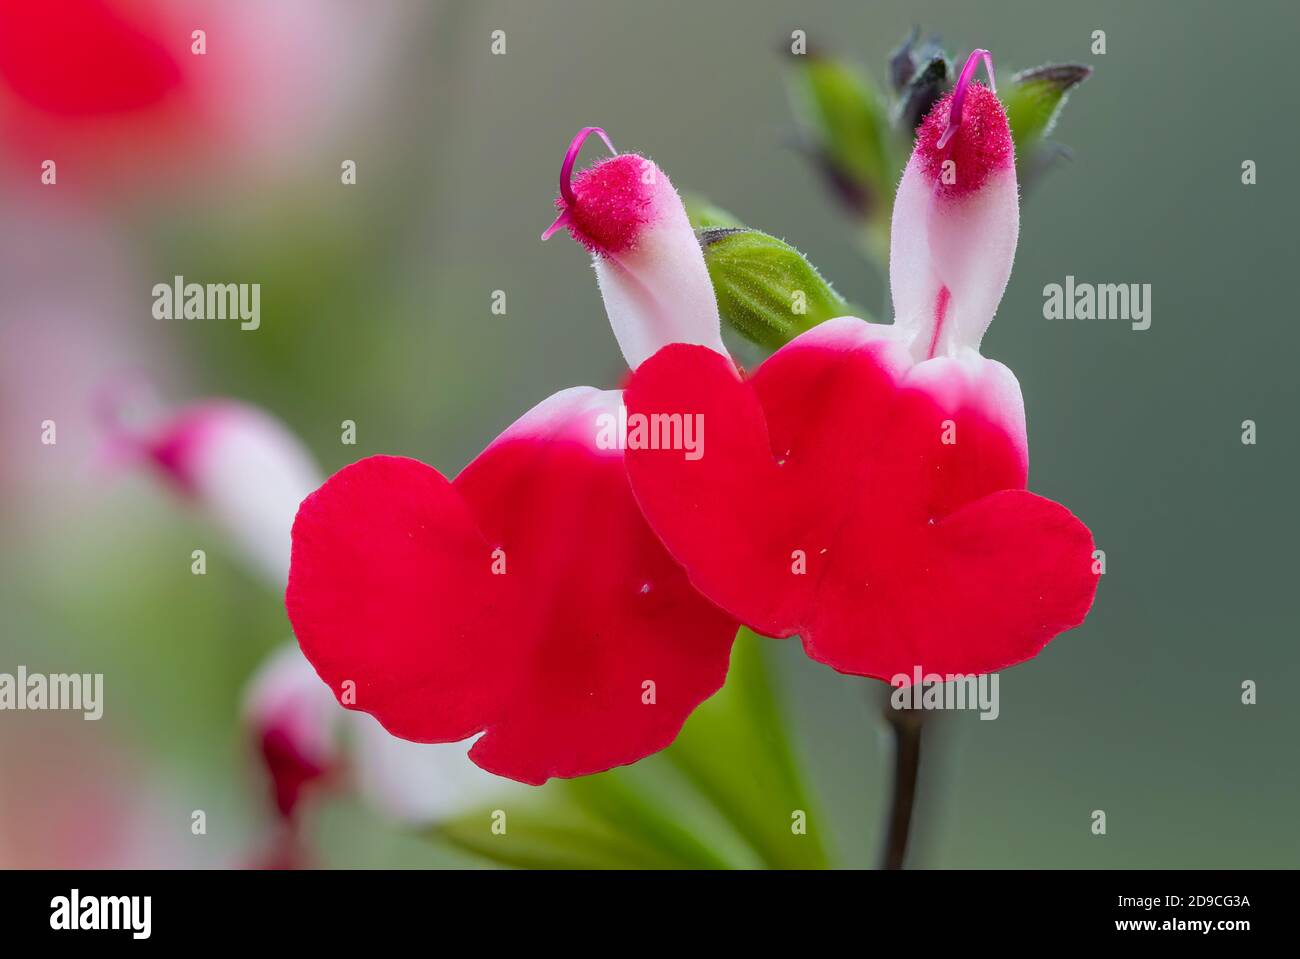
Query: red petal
{"points": [[392, 582], [841, 449], [607, 608], [390, 587], [986, 587], [734, 516], [87, 58]]}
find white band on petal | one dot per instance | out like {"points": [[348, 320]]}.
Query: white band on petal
{"points": [[659, 292], [950, 259]]}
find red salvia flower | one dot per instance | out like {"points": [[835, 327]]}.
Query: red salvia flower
{"points": [[865, 489], [526, 599], [122, 92]]}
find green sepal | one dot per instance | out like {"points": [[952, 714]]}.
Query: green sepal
{"points": [[766, 289], [1034, 100]]}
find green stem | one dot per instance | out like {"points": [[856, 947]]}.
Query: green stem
{"points": [[905, 724]]}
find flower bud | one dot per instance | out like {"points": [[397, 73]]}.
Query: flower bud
{"points": [[239, 465], [303, 739], [293, 718]]}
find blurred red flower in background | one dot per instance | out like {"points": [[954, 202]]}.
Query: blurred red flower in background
{"points": [[120, 91]]}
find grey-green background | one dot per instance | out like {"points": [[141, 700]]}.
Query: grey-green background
{"points": [[376, 304]]}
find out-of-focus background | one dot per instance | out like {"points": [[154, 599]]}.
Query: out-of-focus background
{"points": [[377, 308]]}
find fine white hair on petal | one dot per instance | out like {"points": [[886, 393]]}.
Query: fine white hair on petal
{"points": [[965, 243], [913, 284], [973, 244], [849, 333], [251, 473], [658, 291], [968, 380], [577, 414], [419, 782]]}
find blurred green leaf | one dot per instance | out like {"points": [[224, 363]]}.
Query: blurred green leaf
{"points": [[1034, 101], [736, 749], [846, 124], [625, 807], [766, 289], [553, 835]]}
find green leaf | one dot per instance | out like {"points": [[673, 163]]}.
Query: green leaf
{"points": [[736, 750], [766, 289], [1034, 101], [555, 834], [626, 806], [846, 123]]}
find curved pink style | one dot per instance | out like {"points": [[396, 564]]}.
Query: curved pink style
{"points": [[566, 169], [959, 90]]}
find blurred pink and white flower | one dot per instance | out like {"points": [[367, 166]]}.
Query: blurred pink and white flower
{"points": [[306, 740], [240, 467], [67, 291], [247, 472]]}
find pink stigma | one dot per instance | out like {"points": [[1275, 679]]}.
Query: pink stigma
{"points": [[566, 175], [608, 205], [566, 169], [959, 91], [965, 136]]}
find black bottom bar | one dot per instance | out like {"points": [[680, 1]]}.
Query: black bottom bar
{"points": [[447, 908]]}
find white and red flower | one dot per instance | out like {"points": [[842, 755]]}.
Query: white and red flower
{"points": [[241, 468], [527, 599], [865, 488]]}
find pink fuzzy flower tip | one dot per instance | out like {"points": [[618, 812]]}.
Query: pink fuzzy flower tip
{"points": [[613, 202], [606, 206], [980, 145]]}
